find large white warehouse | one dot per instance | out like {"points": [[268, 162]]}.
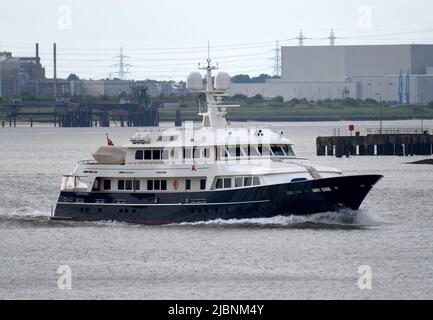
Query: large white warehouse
{"points": [[387, 72]]}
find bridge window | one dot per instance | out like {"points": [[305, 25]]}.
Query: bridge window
{"points": [[147, 155], [121, 185], [238, 182], [247, 181], [156, 154], [277, 151], [252, 151], [149, 184], [288, 151], [139, 154], [188, 184]]}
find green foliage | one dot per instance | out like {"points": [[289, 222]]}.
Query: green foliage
{"points": [[350, 102], [371, 101], [73, 77], [258, 97], [240, 97], [277, 99], [244, 78]]}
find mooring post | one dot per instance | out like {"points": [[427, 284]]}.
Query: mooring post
{"points": [[31, 123]]}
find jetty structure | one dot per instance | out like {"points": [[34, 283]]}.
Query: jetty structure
{"points": [[378, 142]]}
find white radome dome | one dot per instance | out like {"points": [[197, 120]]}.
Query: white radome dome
{"points": [[223, 81], [194, 81]]}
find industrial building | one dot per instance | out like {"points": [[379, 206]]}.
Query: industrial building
{"points": [[20, 74], [393, 73]]}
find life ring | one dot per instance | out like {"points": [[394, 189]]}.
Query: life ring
{"points": [[175, 184]]}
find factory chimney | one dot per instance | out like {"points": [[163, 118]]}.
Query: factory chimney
{"points": [[37, 54], [55, 71]]}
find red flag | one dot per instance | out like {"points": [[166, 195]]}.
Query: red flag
{"points": [[109, 142]]}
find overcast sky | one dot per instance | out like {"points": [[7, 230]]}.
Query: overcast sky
{"points": [[164, 39]]}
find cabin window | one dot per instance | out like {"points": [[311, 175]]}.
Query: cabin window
{"points": [[188, 184], [247, 181], [107, 184], [227, 183], [128, 184], [136, 184], [256, 181], [202, 184], [163, 184], [139, 155], [157, 185], [238, 182], [149, 184], [219, 184], [147, 155], [121, 185]]}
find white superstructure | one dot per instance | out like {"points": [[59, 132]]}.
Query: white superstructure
{"points": [[213, 157]]}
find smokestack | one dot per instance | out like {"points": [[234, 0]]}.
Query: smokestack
{"points": [[37, 53], [55, 71]]}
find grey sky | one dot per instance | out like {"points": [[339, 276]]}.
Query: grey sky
{"points": [[90, 33]]}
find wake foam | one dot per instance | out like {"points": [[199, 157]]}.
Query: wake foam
{"points": [[345, 219]]}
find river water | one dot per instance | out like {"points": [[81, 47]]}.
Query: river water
{"points": [[279, 258]]}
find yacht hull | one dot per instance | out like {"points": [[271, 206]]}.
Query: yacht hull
{"points": [[298, 198]]}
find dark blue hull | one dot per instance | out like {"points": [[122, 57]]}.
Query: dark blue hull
{"points": [[298, 198]]}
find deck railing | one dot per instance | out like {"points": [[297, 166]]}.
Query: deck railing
{"points": [[399, 131]]}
